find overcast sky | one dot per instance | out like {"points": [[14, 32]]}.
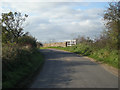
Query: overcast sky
{"points": [[60, 21]]}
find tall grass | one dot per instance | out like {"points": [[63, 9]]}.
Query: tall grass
{"points": [[106, 55]]}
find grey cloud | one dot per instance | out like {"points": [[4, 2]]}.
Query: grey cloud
{"points": [[60, 20]]}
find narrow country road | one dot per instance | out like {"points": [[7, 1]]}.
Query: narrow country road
{"points": [[67, 70]]}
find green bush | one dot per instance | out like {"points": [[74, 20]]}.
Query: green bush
{"points": [[105, 55], [27, 40], [81, 49], [17, 63]]}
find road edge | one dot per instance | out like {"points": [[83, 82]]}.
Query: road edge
{"points": [[107, 67]]}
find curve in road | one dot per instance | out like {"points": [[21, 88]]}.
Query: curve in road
{"points": [[67, 70]]}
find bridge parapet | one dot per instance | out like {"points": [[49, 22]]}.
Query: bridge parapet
{"points": [[57, 44]]}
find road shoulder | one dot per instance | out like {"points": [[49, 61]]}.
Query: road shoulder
{"points": [[105, 66]]}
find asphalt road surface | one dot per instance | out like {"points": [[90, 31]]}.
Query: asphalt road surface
{"points": [[67, 70]]}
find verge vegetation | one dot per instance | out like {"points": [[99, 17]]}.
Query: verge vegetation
{"points": [[107, 47], [104, 55], [21, 57]]}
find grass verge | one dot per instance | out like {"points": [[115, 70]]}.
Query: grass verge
{"points": [[17, 76], [104, 55]]}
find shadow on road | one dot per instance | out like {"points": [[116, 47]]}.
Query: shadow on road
{"points": [[67, 70]]}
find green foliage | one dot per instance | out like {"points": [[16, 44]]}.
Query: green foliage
{"points": [[82, 39], [27, 40], [20, 57], [39, 44], [82, 49], [6, 36], [18, 63], [12, 25], [9, 50], [112, 18], [105, 55]]}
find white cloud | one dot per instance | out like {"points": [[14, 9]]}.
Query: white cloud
{"points": [[58, 20], [58, 0]]}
